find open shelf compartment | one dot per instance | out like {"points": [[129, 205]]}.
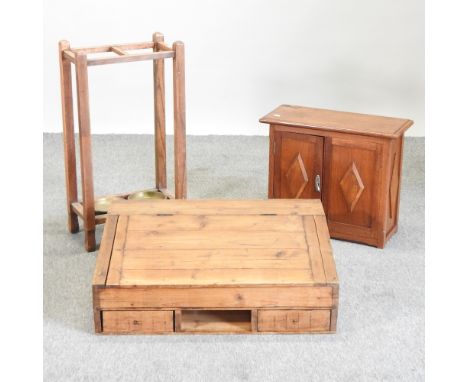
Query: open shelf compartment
{"points": [[215, 321]]}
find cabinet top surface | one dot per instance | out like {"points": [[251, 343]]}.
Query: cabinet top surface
{"points": [[217, 243], [323, 119]]}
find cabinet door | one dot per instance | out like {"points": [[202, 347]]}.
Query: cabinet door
{"points": [[352, 187], [298, 162]]}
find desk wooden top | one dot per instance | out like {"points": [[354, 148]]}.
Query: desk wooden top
{"points": [[339, 121], [215, 243]]}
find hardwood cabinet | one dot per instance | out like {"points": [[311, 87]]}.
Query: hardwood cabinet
{"points": [[352, 162]]}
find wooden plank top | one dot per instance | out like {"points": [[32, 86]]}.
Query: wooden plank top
{"points": [[185, 243], [330, 120]]}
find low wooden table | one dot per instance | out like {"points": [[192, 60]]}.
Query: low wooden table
{"points": [[214, 266]]}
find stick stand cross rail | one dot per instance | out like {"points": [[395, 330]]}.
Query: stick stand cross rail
{"points": [[82, 58]]}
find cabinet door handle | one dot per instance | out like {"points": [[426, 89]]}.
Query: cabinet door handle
{"points": [[317, 183]]}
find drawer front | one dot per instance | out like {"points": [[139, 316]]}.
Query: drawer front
{"points": [[294, 320], [133, 321]]}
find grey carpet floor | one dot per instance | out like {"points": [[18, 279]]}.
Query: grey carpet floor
{"points": [[381, 315]]}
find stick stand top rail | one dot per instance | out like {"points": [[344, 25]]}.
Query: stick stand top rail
{"points": [[157, 51], [121, 53]]}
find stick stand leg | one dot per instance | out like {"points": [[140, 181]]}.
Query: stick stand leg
{"points": [[159, 117], [68, 136], [179, 121], [85, 152]]}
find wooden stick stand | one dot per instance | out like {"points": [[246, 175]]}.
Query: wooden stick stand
{"points": [[82, 58]]}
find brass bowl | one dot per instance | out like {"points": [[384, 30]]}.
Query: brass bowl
{"points": [[147, 194], [101, 205]]}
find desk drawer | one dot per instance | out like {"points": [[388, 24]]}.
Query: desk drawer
{"points": [[294, 320], [137, 321]]}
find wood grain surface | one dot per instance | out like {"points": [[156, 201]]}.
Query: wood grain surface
{"points": [[353, 123], [216, 256], [352, 162], [113, 54]]}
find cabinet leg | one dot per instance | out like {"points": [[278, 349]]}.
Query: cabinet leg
{"points": [[381, 241], [97, 321], [90, 240]]}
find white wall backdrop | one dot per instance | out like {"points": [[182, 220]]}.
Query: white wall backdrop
{"points": [[243, 58]]}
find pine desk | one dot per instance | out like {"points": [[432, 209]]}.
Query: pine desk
{"points": [[215, 266]]}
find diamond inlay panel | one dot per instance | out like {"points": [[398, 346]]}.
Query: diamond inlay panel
{"points": [[296, 177], [352, 186]]}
